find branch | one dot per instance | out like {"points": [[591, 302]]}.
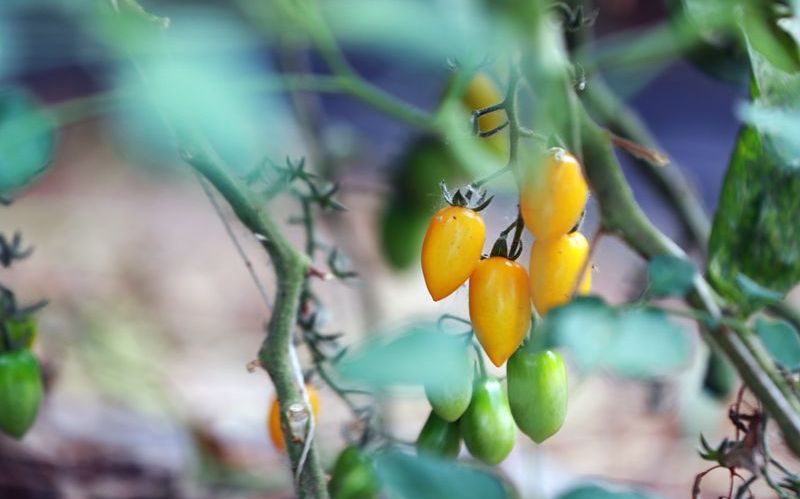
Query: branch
{"points": [[291, 269]]}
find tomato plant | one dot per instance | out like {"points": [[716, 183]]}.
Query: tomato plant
{"points": [[20, 391], [352, 476], [274, 426], [488, 427], [439, 437], [556, 265]]}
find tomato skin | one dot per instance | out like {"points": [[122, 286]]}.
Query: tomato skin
{"points": [[451, 249], [555, 265], [482, 92], [499, 306], [450, 398], [553, 195], [352, 476], [487, 427], [537, 392], [274, 421], [439, 438], [20, 392]]}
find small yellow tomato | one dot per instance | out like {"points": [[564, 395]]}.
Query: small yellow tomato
{"points": [[554, 266], [451, 249], [274, 422], [480, 93], [499, 306], [553, 195]]}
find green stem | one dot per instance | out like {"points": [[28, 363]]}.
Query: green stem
{"points": [[291, 269]]}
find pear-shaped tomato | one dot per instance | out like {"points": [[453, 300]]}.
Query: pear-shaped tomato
{"points": [[537, 392], [499, 306], [274, 424], [352, 476], [439, 437], [555, 265], [449, 398], [451, 249], [20, 392], [553, 195], [482, 92], [488, 427]]}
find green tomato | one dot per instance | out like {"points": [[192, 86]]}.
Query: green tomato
{"points": [[450, 398], [20, 392], [402, 231], [353, 477], [487, 426], [537, 392], [439, 437], [21, 332]]}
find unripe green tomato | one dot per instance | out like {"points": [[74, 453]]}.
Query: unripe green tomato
{"points": [[402, 231], [450, 398], [439, 438], [353, 477], [537, 392], [20, 392], [21, 332], [487, 427]]}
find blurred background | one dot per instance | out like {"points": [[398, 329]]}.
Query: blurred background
{"points": [[152, 315]]}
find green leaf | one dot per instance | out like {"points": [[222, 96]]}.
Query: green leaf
{"points": [[637, 343], [670, 276], [755, 231], [420, 355], [425, 477], [601, 492], [781, 340], [768, 37], [27, 139]]}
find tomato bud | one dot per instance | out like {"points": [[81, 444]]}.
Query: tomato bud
{"points": [[499, 306], [553, 195], [555, 265], [352, 476], [488, 427], [451, 249], [537, 392], [20, 392], [439, 437], [274, 420]]}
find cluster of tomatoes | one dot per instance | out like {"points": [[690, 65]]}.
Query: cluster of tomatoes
{"points": [[553, 195], [20, 376]]}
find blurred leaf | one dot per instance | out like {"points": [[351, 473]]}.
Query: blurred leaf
{"points": [[764, 35], [425, 477], [781, 341], [755, 293], [600, 492], [670, 276], [636, 343], [420, 355], [27, 140], [755, 230]]}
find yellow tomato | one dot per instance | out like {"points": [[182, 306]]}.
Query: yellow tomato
{"points": [[499, 306], [555, 265], [553, 195], [451, 249], [482, 92], [274, 424]]}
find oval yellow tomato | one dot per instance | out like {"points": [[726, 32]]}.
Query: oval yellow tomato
{"points": [[274, 424], [553, 195], [554, 266], [482, 92], [451, 249], [499, 306]]}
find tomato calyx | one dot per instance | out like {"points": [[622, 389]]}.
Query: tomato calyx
{"points": [[471, 198], [501, 247]]}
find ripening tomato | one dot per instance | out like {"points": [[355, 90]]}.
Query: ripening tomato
{"points": [[499, 306], [20, 392], [482, 92], [449, 398], [555, 265], [553, 195], [439, 437], [275, 431], [451, 249], [537, 392], [488, 427], [352, 476]]}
